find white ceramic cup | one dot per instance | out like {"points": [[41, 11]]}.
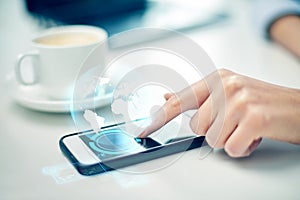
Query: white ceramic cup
{"points": [[57, 56]]}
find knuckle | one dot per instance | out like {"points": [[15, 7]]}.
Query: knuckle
{"points": [[253, 115], [242, 101], [233, 84], [174, 103], [224, 72], [257, 119]]}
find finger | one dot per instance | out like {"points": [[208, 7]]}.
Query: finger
{"points": [[168, 96], [222, 127], [189, 98], [167, 112], [219, 132], [176, 104], [239, 142], [202, 119], [254, 145]]}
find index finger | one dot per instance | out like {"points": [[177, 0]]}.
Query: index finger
{"points": [[189, 98]]}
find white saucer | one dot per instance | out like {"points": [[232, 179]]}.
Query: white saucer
{"points": [[28, 96]]}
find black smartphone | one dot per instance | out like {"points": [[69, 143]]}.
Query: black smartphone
{"points": [[113, 147]]}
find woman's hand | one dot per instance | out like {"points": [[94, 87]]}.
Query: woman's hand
{"points": [[235, 112]]}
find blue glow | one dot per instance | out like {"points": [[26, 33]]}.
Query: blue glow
{"points": [[62, 173], [110, 143]]}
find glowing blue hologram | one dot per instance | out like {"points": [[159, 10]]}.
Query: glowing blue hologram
{"points": [[129, 181], [138, 140], [95, 121], [119, 106], [112, 142], [94, 147], [90, 85], [62, 173], [143, 101], [90, 92], [138, 76], [141, 91]]}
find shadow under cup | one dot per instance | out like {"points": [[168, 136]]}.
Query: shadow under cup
{"points": [[57, 57]]}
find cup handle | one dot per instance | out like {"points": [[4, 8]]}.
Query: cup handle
{"points": [[18, 65]]}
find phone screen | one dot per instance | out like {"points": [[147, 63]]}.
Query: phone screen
{"points": [[111, 143], [116, 141]]}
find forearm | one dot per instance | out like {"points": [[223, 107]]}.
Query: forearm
{"points": [[286, 31]]}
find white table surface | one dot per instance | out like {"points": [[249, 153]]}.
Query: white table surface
{"points": [[29, 139]]}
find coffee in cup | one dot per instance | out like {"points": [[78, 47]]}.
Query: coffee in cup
{"points": [[68, 39], [58, 54]]}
